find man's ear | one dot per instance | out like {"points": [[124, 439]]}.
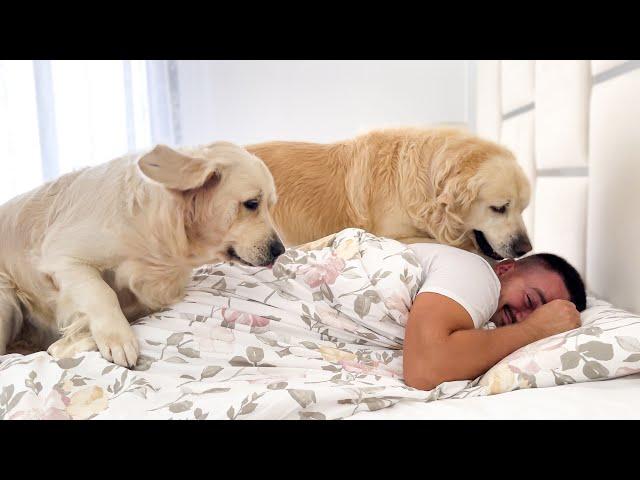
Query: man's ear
{"points": [[504, 266], [176, 170]]}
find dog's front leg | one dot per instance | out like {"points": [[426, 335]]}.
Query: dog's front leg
{"points": [[83, 293]]}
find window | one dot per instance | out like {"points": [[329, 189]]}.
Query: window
{"points": [[61, 115]]}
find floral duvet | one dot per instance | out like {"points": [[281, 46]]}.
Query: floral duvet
{"points": [[318, 336]]}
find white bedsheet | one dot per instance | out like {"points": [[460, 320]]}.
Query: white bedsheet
{"points": [[616, 399]]}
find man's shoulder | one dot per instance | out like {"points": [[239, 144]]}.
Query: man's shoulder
{"points": [[440, 256]]}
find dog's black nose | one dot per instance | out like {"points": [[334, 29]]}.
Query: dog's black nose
{"points": [[521, 246], [276, 248]]}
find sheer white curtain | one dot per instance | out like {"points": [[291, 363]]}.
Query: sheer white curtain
{"points": [[60, 115]]}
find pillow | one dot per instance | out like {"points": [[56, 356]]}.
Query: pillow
{"points": [[607, 345]]}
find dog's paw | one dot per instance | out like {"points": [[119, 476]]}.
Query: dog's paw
{"points": [[67, 347], [117, 344]]}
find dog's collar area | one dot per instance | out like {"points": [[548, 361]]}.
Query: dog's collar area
{"points": [[485, 246]]}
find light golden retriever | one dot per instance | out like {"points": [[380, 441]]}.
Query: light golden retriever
{"points": [[415, 185], [86, 253]]}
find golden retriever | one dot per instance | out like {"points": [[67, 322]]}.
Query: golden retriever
{"points": [[415, 185], [84, 254]]}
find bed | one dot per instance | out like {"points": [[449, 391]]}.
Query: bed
{"points": [[317, 336], [212, 356]]}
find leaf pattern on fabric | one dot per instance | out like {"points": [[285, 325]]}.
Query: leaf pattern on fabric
{"points": [[318, 336]]}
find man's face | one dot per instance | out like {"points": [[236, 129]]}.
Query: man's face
{"points": [[523, 289]]}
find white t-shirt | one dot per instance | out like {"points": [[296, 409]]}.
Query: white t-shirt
{"points": [[462, 276]]}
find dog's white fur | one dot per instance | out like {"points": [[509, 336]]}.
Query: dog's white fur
{"points": [[95, 248]]}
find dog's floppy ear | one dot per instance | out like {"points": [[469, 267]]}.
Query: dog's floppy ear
{"points": [[175, 170], [459, 191]]}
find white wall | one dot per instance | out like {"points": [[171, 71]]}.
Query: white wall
{"points": [[251, 101]]}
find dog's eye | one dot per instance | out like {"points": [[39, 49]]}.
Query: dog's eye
{"points": [[501, 209], [251, 204]]}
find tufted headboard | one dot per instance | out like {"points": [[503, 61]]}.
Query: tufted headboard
{"points": [[575, 129]]}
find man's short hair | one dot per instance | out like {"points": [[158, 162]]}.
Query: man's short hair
{"points": [[570, 276]]}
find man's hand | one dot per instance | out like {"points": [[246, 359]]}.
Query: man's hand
{"points": [[441, 343], [552, 318]]}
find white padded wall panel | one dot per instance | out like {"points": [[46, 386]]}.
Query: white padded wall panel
{"points": [[517, 83], [580, 129], [517, 135], [560, 218], [488, 112], [613, 254], [599, 66], [562, 113]]}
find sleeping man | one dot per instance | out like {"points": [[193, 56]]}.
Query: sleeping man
{"points": [[530, 299]]}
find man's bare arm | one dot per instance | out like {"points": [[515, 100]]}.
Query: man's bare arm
{"points": [[441, 343]]}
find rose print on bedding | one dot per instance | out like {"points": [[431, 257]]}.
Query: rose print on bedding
{"points": [[213, 339], [330, 354], [256, 323], [50, 406], [323, 271], [333, 318], [531, 359], [87, 402], [395, 301], [348, 249], [500, 379]]}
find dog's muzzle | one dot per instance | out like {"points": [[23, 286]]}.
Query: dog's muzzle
{"points": [[276, 248], [517, 248], [485, 246], [269, 252], [521, 245]]}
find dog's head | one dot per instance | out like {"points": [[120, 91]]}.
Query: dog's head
{"points": [[495, 215], [472, 192], [224, 195]]}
